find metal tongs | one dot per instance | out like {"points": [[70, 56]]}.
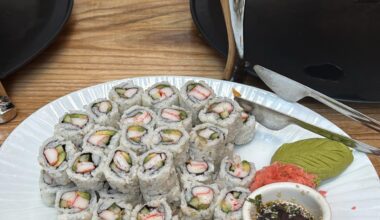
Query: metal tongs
{"points": [[7, 109]]}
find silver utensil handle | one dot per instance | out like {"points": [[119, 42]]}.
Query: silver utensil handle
{"points": [[346, 110], [7, 109], [359, 146]]}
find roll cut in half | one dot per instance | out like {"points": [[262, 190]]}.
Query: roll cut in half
{"points": [[175, 116], [54, 156], [136, 137], [102, 138], [152, 210], [104, 112], [86, 169], [195, 96], [73, 125], [198, 201], [138, 115], [74, 204], [160, 95], [236, 172], [247, 131], [174, 139], [157, 176], [208, 140], [199, 170], [112, 209], [121, 173], [49, 188], [230, 204], [225, 113]]}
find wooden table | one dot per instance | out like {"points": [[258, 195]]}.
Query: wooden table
{"points": [[116, 39]]}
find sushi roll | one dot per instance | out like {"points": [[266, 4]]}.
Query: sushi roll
{"points": [[73, 125], [174, 139], [230, 204], [247, 132], [74, 204], [112, 209], [160, 95], [126, 95], [136, 137], [49, 188], [86, 169], [199, 170], [175, 116], [157, 176], [225, 113], [107, 192], [104, 112], [139, 115], [152, 210], [194, 96], [208, 140], [198, 201], [236, 172], [54, 156], [102, 138], [121, 173]]}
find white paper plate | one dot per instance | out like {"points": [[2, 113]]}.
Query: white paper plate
{"points": [[355, 194]]}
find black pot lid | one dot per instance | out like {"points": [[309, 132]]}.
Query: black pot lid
{"points": [[333, 48], [27, 27]]}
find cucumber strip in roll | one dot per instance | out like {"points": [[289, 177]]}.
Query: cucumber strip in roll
{"points": [[160, 95], [157, 176], [208, 140], [121, 173], [54, 155], [126, 95], [104, 112], [112, 209], [174, 116], [230, 203], [199, 170], [73, 125], [152, 210], [236, 172], [247, 131], [102, 138], [49, 188], [136, 138], [194, 96], [173, 139], [73, 204], [138, 115], [225, 113], [86, 169], [198, 201]]}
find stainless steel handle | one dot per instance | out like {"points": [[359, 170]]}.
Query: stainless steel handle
{"points": [[346, 110], [7, 109]]}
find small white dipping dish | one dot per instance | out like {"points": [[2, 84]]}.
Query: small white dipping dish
{"points": [[300, 194]]}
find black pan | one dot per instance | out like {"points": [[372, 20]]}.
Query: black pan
{"points": [[27, 27], [333, 47]]}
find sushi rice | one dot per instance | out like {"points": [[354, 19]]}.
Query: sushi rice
{"points": [[160, 95], [194, 97], [112, 209], [153, 210], [174, 139], [86, 169], [139, 115], [102, 138], [104, 112], [199, 170], [236, 172], [136, 137], [73, 126], [126, 95], [247, 131], [54, 156], [230, 203], [225, 113], [175, 116]]}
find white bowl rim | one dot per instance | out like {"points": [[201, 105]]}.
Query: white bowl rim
{"points": [[314, 194]]}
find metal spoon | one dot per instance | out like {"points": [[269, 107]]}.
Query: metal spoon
{"points": [[293, 91]]}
